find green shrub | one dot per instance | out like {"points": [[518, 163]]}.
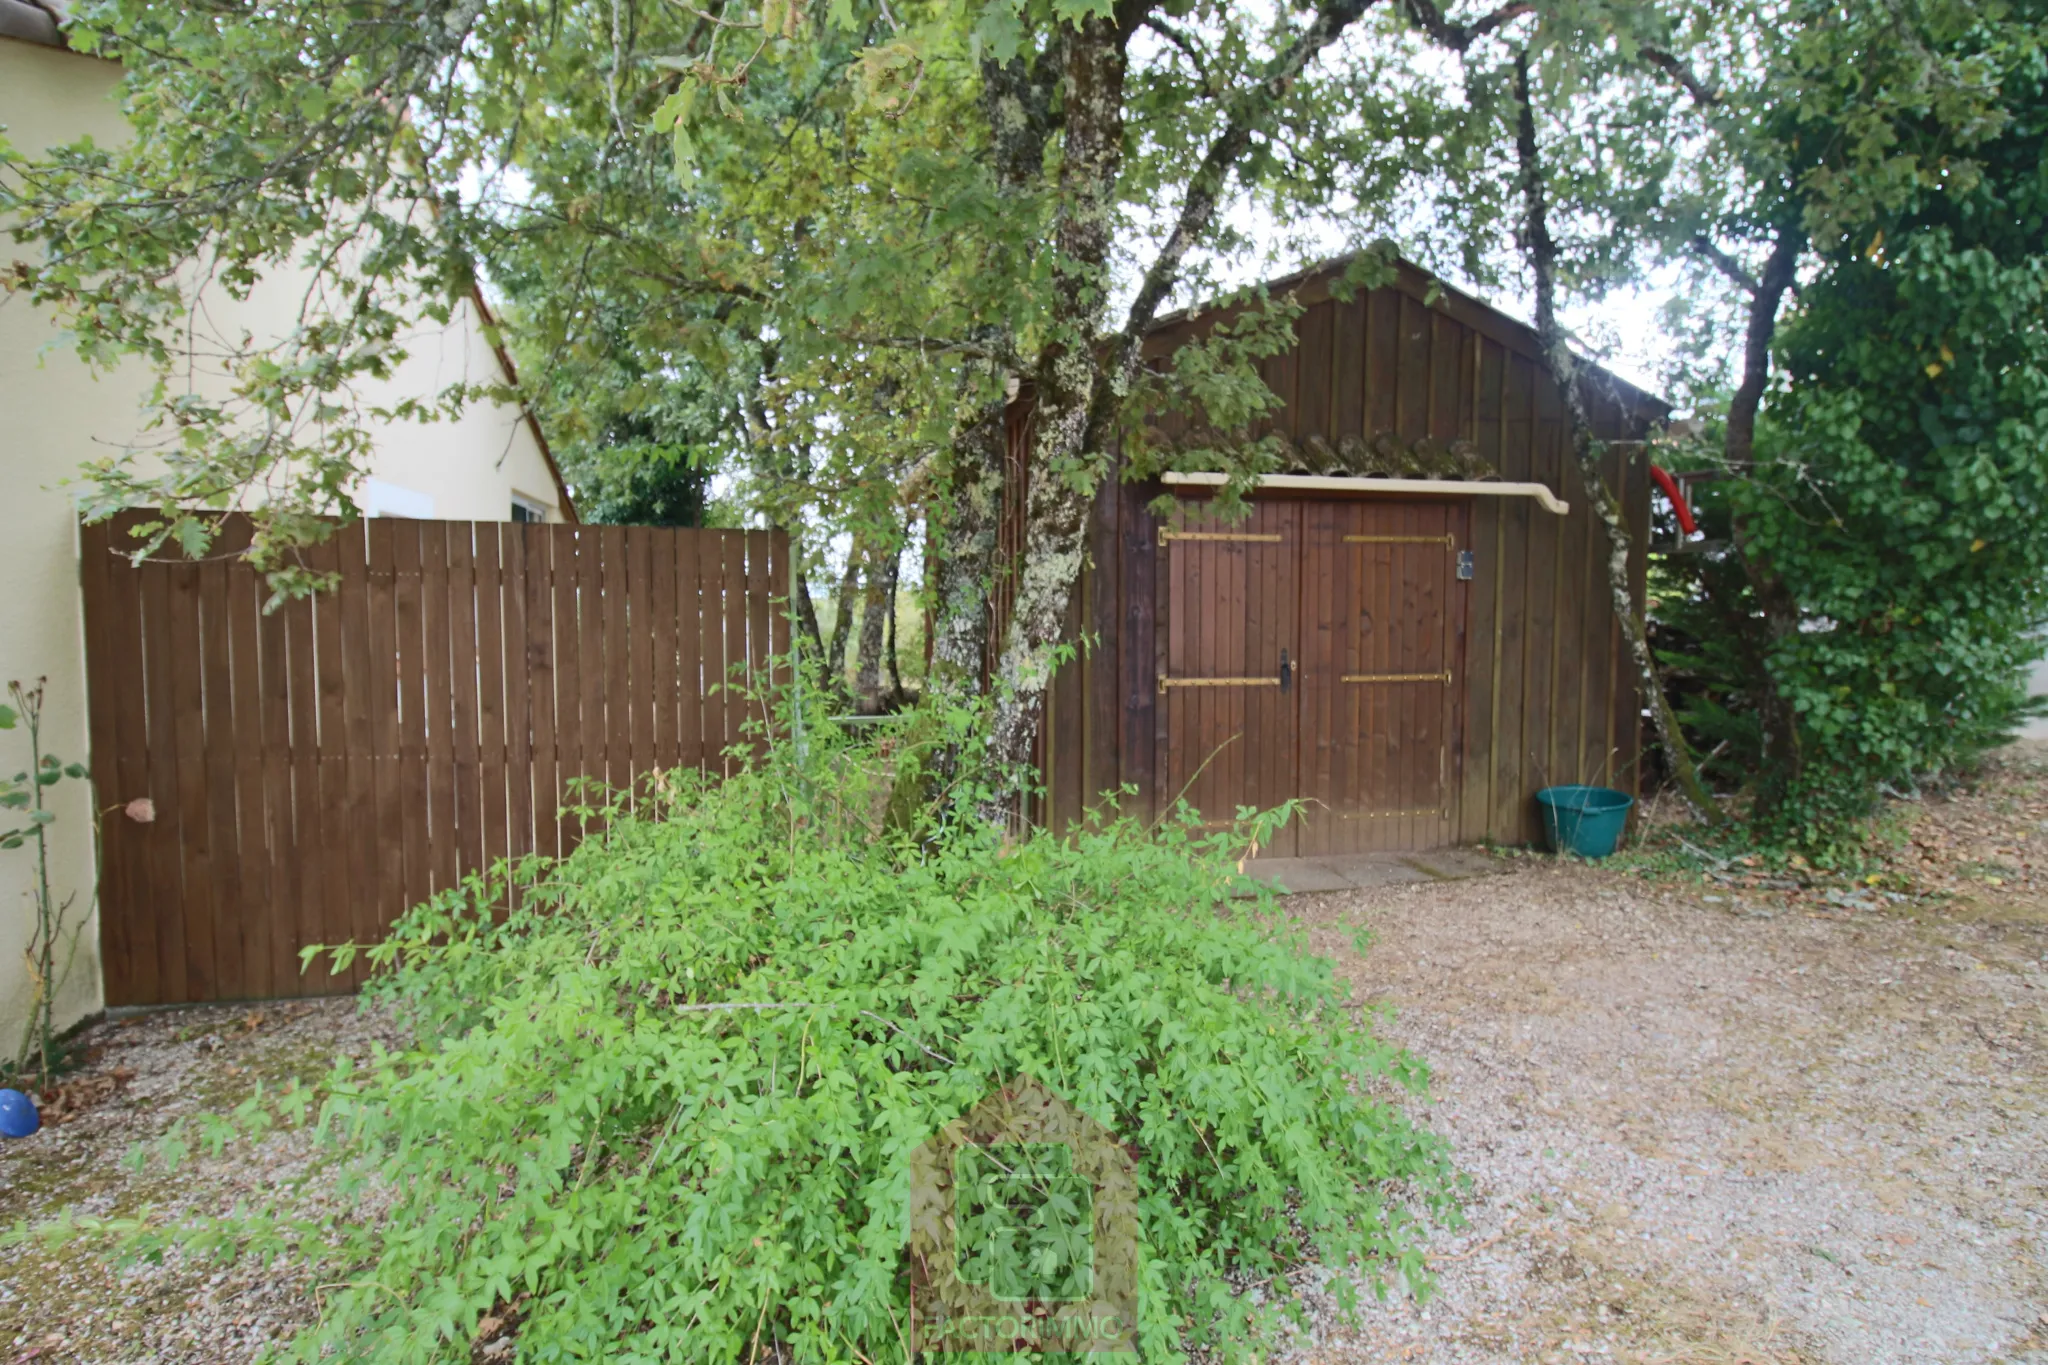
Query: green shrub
{"points": [[664, 1109]]}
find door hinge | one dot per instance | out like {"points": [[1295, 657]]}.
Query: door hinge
{"points": [[1229, 537], [1166, 682]]}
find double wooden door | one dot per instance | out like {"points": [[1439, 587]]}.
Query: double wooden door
{"points": [[1312, 653]]}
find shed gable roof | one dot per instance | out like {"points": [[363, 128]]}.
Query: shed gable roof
{"points": [[1315, 283]]}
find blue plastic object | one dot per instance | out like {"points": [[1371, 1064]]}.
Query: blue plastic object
{"points": [[18, 1116], [1584, 820]]}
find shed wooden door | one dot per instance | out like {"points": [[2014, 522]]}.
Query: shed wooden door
{"points": [[1381, 616], [1233, 600], [1313, 652]]}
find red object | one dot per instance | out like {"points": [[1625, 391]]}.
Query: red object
{"points": [[1677, 496]]}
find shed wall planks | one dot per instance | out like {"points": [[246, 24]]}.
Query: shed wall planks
{"points": [[318, 769], [1544, 692]]}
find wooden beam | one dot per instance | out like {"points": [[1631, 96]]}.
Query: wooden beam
{"points": [[1331, 483]]}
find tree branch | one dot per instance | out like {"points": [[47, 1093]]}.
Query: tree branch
{"points": [[1765, 300], [1188, 47], [1429, 17], [1205, 187], [1704, 247], [1702, 93], [1540, 249]]}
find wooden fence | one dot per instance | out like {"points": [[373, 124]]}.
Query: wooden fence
{"points": [[304, 776]]}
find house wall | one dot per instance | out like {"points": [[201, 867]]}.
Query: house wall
{"points": [[55, 413], [1548, 695]]}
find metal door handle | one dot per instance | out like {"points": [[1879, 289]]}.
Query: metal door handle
{"points": [[1286, 671]]}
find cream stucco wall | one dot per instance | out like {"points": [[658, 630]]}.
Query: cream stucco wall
{"points": [[55, 413]]}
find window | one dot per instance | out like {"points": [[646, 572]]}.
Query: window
{"points": [[526, 509]]}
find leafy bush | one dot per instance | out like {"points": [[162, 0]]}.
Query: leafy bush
{"points": [[1901, 481], [664, 1109]]}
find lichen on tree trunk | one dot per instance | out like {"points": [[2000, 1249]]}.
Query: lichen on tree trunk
{"points": [[878, 591], [1064, 473]]}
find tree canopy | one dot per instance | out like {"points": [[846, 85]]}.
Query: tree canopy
{"points": [[812, 251]]}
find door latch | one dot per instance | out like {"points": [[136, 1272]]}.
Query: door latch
{"points": [[1286, 671], [1464, 565]]}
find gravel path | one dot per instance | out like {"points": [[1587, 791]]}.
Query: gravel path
{"points": [[1715, 1130], [63, 1301], [1707, 1123]]}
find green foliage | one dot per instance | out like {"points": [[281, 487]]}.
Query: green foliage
{"points": [[642, 486], [1904, 490], [50, 949], [664, 1109], [1902, 459]]}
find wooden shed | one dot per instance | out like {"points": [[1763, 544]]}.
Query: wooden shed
{"points": [[1411, 658]]}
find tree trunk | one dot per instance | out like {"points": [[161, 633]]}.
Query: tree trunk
{"points": [[1017, 107], [1063, 473], [1563, 367], [812, 640], [1783, 759], [842, 621], [876, 589], [896, 693], [1016, 104], [1078, 405], [966, 550]]}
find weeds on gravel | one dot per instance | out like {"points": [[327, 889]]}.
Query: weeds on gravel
{"points": [[665, 1108], [54, 935]]}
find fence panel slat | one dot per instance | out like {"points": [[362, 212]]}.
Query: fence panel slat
{"points": [[217, 738], [149, 849], [358, 671], [529, 685], [188, 731], [782, 585], [490, 710], [664, 654], [462, 668], [167, 832], [304, 700], [737, 659], [258, 856], [638, 607], [690, 747], [380, 652], [412, 725], [618, 701], [760, 611], [287, 888], [571, 700], [120, 769], [340, 881], [444, 842]]}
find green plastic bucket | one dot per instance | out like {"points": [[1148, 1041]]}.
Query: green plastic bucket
{"points": [[1584, 820]]}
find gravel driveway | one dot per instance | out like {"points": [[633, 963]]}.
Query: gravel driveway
{"points": [[1715, 1130], [1706, 1122]]}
